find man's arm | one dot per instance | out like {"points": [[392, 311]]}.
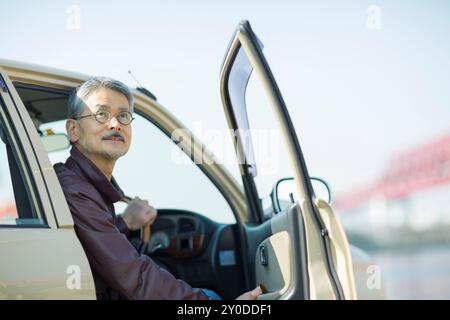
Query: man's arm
{"points": [[113, 257], [122, 226]]}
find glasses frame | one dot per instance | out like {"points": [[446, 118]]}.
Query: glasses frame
{"points": [[96, 115]]}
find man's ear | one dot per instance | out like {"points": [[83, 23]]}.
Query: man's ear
{"points": [[73, 130]]}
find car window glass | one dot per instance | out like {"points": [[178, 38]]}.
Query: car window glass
{"points": [[271, 153]]}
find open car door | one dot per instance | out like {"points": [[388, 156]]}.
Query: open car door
{"points": [[300, 252]]}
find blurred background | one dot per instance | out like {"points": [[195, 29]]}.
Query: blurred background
{"points": [[366, 84]]}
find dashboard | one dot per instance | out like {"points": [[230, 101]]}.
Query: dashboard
{"points": [[200, 251], [178, 235]]}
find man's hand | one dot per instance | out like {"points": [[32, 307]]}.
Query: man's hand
{"points": [[138, 214], [251, 295]]}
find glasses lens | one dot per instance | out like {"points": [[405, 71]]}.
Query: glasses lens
{"points": [[102, 116], [124, 117]]}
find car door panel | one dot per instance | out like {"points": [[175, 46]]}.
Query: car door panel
{"points": [[38, 261], [282, 273], [43, 264], [275, 266]]}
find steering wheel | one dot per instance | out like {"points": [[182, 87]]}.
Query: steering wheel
{"points": [[145, 231]]}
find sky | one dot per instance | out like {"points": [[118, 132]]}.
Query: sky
{"points": [[362, 80]]}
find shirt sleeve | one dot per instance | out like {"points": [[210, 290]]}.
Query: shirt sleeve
{"points": [[122, 226], [112, 257]]}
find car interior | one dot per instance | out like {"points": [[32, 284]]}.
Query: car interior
{"points": [[202, 252]]}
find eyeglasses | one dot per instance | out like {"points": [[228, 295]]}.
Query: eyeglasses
{"points": [[124, 117]]}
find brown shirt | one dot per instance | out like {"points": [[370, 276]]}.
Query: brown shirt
{"points": [[119, 271]]}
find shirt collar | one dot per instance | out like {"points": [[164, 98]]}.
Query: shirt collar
{"points": [[109, 189]]}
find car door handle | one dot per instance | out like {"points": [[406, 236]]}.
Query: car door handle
{"points": [[263, 255]]}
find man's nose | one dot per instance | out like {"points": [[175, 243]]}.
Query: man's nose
{"points": [[115, 124]]}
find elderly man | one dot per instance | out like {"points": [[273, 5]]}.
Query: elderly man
{"points": [[99, 128]]}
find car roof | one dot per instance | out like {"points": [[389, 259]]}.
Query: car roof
{"points": [[14, 65]]}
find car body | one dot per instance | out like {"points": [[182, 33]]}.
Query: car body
{"points": [[297, 253]]}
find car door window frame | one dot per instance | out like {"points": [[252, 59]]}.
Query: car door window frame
{"points": [[10, 131], [244, 39]]}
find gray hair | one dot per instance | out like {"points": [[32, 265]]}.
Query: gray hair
{"points": [[76, 104]]}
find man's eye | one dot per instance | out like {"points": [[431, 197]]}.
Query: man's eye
{"points": [[124, 116], [103, 114]]}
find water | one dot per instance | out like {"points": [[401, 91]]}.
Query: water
{"points": [[415, 272]]}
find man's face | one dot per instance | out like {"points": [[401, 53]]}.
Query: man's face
{"points": [[110, 140]]}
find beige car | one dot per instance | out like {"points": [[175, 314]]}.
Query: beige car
{"points": [[297, 249]]}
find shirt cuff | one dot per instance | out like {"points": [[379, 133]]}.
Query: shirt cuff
{"points": [[122, 226]]}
